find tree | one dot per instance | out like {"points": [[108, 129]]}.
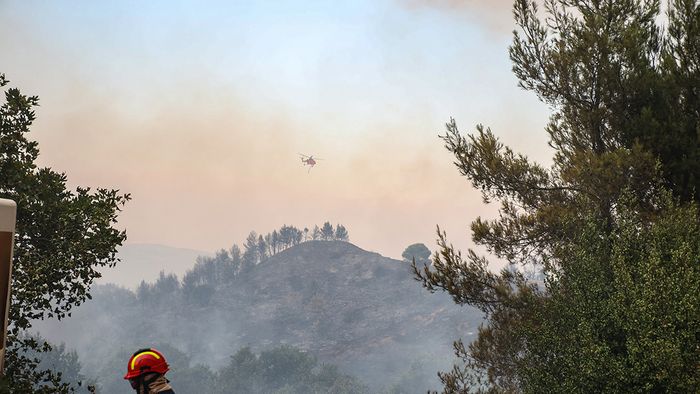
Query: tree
{"points": [[62, 237], [316, 233], [234, 263], [283, 370], [250, 252], [275, 242], [284, 237], [60, 360], [622, 313], [297, 236], [166, 287], [327, 231], [284, 365], [621, 93], [262, 248], [418, 252], [242, 374], [341, 233], [288, 236]]}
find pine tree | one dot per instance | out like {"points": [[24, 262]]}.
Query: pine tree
{"points": [[624, 130], [236, 261], [327, 232], [341, 233], [251, 256], [262, 248], [275, 242]]}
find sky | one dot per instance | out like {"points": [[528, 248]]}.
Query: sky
{"points": [[199, 110]]}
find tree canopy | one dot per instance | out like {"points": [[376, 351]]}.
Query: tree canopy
{"points": [[418, 252], [62, 237], [327, 232], [598, 224], [283, 369]]}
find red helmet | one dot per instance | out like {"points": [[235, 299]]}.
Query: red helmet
{"points": [[145, 361]]}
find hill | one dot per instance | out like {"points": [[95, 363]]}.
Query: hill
{"points": [[357, 309], [350, 307]]}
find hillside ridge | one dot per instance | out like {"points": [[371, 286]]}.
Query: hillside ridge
{"points": [[347, 306]]}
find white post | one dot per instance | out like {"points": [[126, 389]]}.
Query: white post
{"points": [[8, 215]]}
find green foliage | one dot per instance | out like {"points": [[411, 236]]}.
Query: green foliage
{"points": [[327, 231], [4, 385], [289, 236], [616, 79], [208, 272], [341, 233], [617, 310], [165, 288], [62, 237], [251, 254], [624, 311], [283, 370], [63, 363], [418, 253]]}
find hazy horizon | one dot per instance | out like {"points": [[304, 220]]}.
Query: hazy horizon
{"points": [[200, 112]]}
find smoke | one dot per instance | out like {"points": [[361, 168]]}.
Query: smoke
{"points": [[354, 309], [202, 174], [208, 146], [495, 15]]}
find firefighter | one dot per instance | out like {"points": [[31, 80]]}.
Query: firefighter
{"points": [[146, 372]]}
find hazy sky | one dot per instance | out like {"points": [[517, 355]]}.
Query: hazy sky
{"points": [[199, 110]]}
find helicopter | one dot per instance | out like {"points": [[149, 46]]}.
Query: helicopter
{"points": [[308, 161]]}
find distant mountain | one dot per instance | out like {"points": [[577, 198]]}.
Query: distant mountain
{"points": [[146, 261], [357, 309]]}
